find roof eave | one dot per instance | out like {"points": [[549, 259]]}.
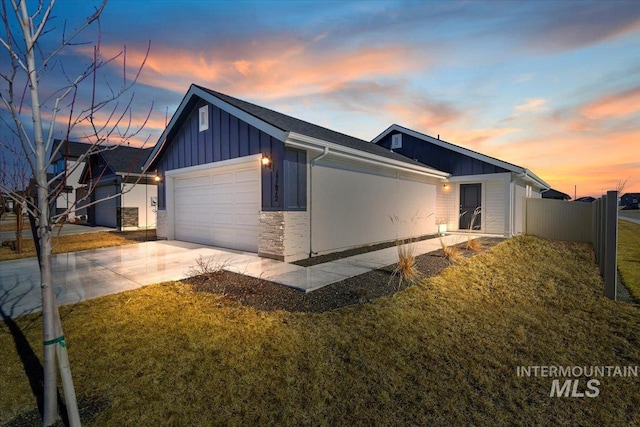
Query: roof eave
{"points": [[194, 90], [304, 141]]}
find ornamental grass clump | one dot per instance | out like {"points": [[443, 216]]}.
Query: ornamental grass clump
{"points": [[406, 270]]}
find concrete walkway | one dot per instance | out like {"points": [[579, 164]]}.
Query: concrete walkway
{"points": [[80, 276]]}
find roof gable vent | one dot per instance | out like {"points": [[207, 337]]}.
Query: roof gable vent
{"points": [[396, 141], [203, 121]]}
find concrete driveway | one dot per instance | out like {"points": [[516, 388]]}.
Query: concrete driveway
{"points": [[79, 276]]}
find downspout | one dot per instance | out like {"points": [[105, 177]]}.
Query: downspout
{"points": [[313, 162]]}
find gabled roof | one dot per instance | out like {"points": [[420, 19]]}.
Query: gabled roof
{"points": [[116, 160], [71, 150], [126, 159], [465, 151], [276, 124], [555, 194]]}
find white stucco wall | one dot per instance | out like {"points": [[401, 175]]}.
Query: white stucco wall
{"points": [[353, 205], [139, 196]]}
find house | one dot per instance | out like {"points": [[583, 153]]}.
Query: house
{"points": [[630, 200], [237, 175], [585, 199], [555, 195], [478, 183], [69, 158], [126, 198]]}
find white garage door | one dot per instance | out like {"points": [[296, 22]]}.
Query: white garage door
{"points": [[219, 206], [106, 211]]}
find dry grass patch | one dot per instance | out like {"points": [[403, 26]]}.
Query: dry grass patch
{"points": [[629, 256], [80, 242], [443, 353]]}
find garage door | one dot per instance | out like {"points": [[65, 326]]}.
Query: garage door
{"points": [[219, 206], [106, 210]]}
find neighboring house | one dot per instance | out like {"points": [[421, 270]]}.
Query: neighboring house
{"points": [[585, 199], [478, 183], [110, 175], [630, 200], [241, 176], [555, 194], [67, 159]]}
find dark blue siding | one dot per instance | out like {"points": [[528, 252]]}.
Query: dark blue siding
{"points": [[228, 137], [295, 179], [441, 158]]}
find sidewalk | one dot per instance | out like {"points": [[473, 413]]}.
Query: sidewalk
{"points": [[79, 276]]}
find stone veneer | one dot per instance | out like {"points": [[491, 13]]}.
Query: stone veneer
{"points": [[161, 224], [127, 218], [284, 235]]}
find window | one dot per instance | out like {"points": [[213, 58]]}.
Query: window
{"points": [[203, 114], [59, 166], [396, 141]]}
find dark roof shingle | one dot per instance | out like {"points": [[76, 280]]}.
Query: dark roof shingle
{"points": [[291, 124]]}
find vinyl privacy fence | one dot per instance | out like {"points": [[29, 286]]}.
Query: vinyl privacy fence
{"points": [[595, 223]]}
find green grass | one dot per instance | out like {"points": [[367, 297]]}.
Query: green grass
{"points": [[629, 256], [443, 353], [80, 242]]}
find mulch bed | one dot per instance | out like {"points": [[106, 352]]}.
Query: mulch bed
{"points": [[268, 296]]}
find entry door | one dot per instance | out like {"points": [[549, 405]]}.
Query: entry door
{"points": [[470, 200]]}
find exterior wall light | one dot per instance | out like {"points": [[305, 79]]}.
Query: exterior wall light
{"points": [[266, 161], [445, 186], [157, 178]]}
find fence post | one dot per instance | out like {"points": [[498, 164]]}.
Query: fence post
{"points": [[611, 245], [603, 232]]}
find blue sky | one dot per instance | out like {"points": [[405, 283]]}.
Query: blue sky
{"points": [[551, 86]]}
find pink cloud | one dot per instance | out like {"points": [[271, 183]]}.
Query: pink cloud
{"points": [[615, 105]]}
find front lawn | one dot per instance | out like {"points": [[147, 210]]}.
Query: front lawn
{"points": [[444, 353], [629, 256], [80, 242]]}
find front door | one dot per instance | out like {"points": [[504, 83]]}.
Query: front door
{"points": [[470, 206]]}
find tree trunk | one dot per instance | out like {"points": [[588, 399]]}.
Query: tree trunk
{"points": [[19, 226], [50, 414]]}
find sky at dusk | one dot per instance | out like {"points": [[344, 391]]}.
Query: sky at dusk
{"points": [[550, 86]]}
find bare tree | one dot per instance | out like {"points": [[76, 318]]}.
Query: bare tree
{"points": [[99, 118], [14, 175], [620, 185]]}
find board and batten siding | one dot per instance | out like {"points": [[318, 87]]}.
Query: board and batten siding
{"points": [[493, 209], [228, 138], [440, 158]]}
